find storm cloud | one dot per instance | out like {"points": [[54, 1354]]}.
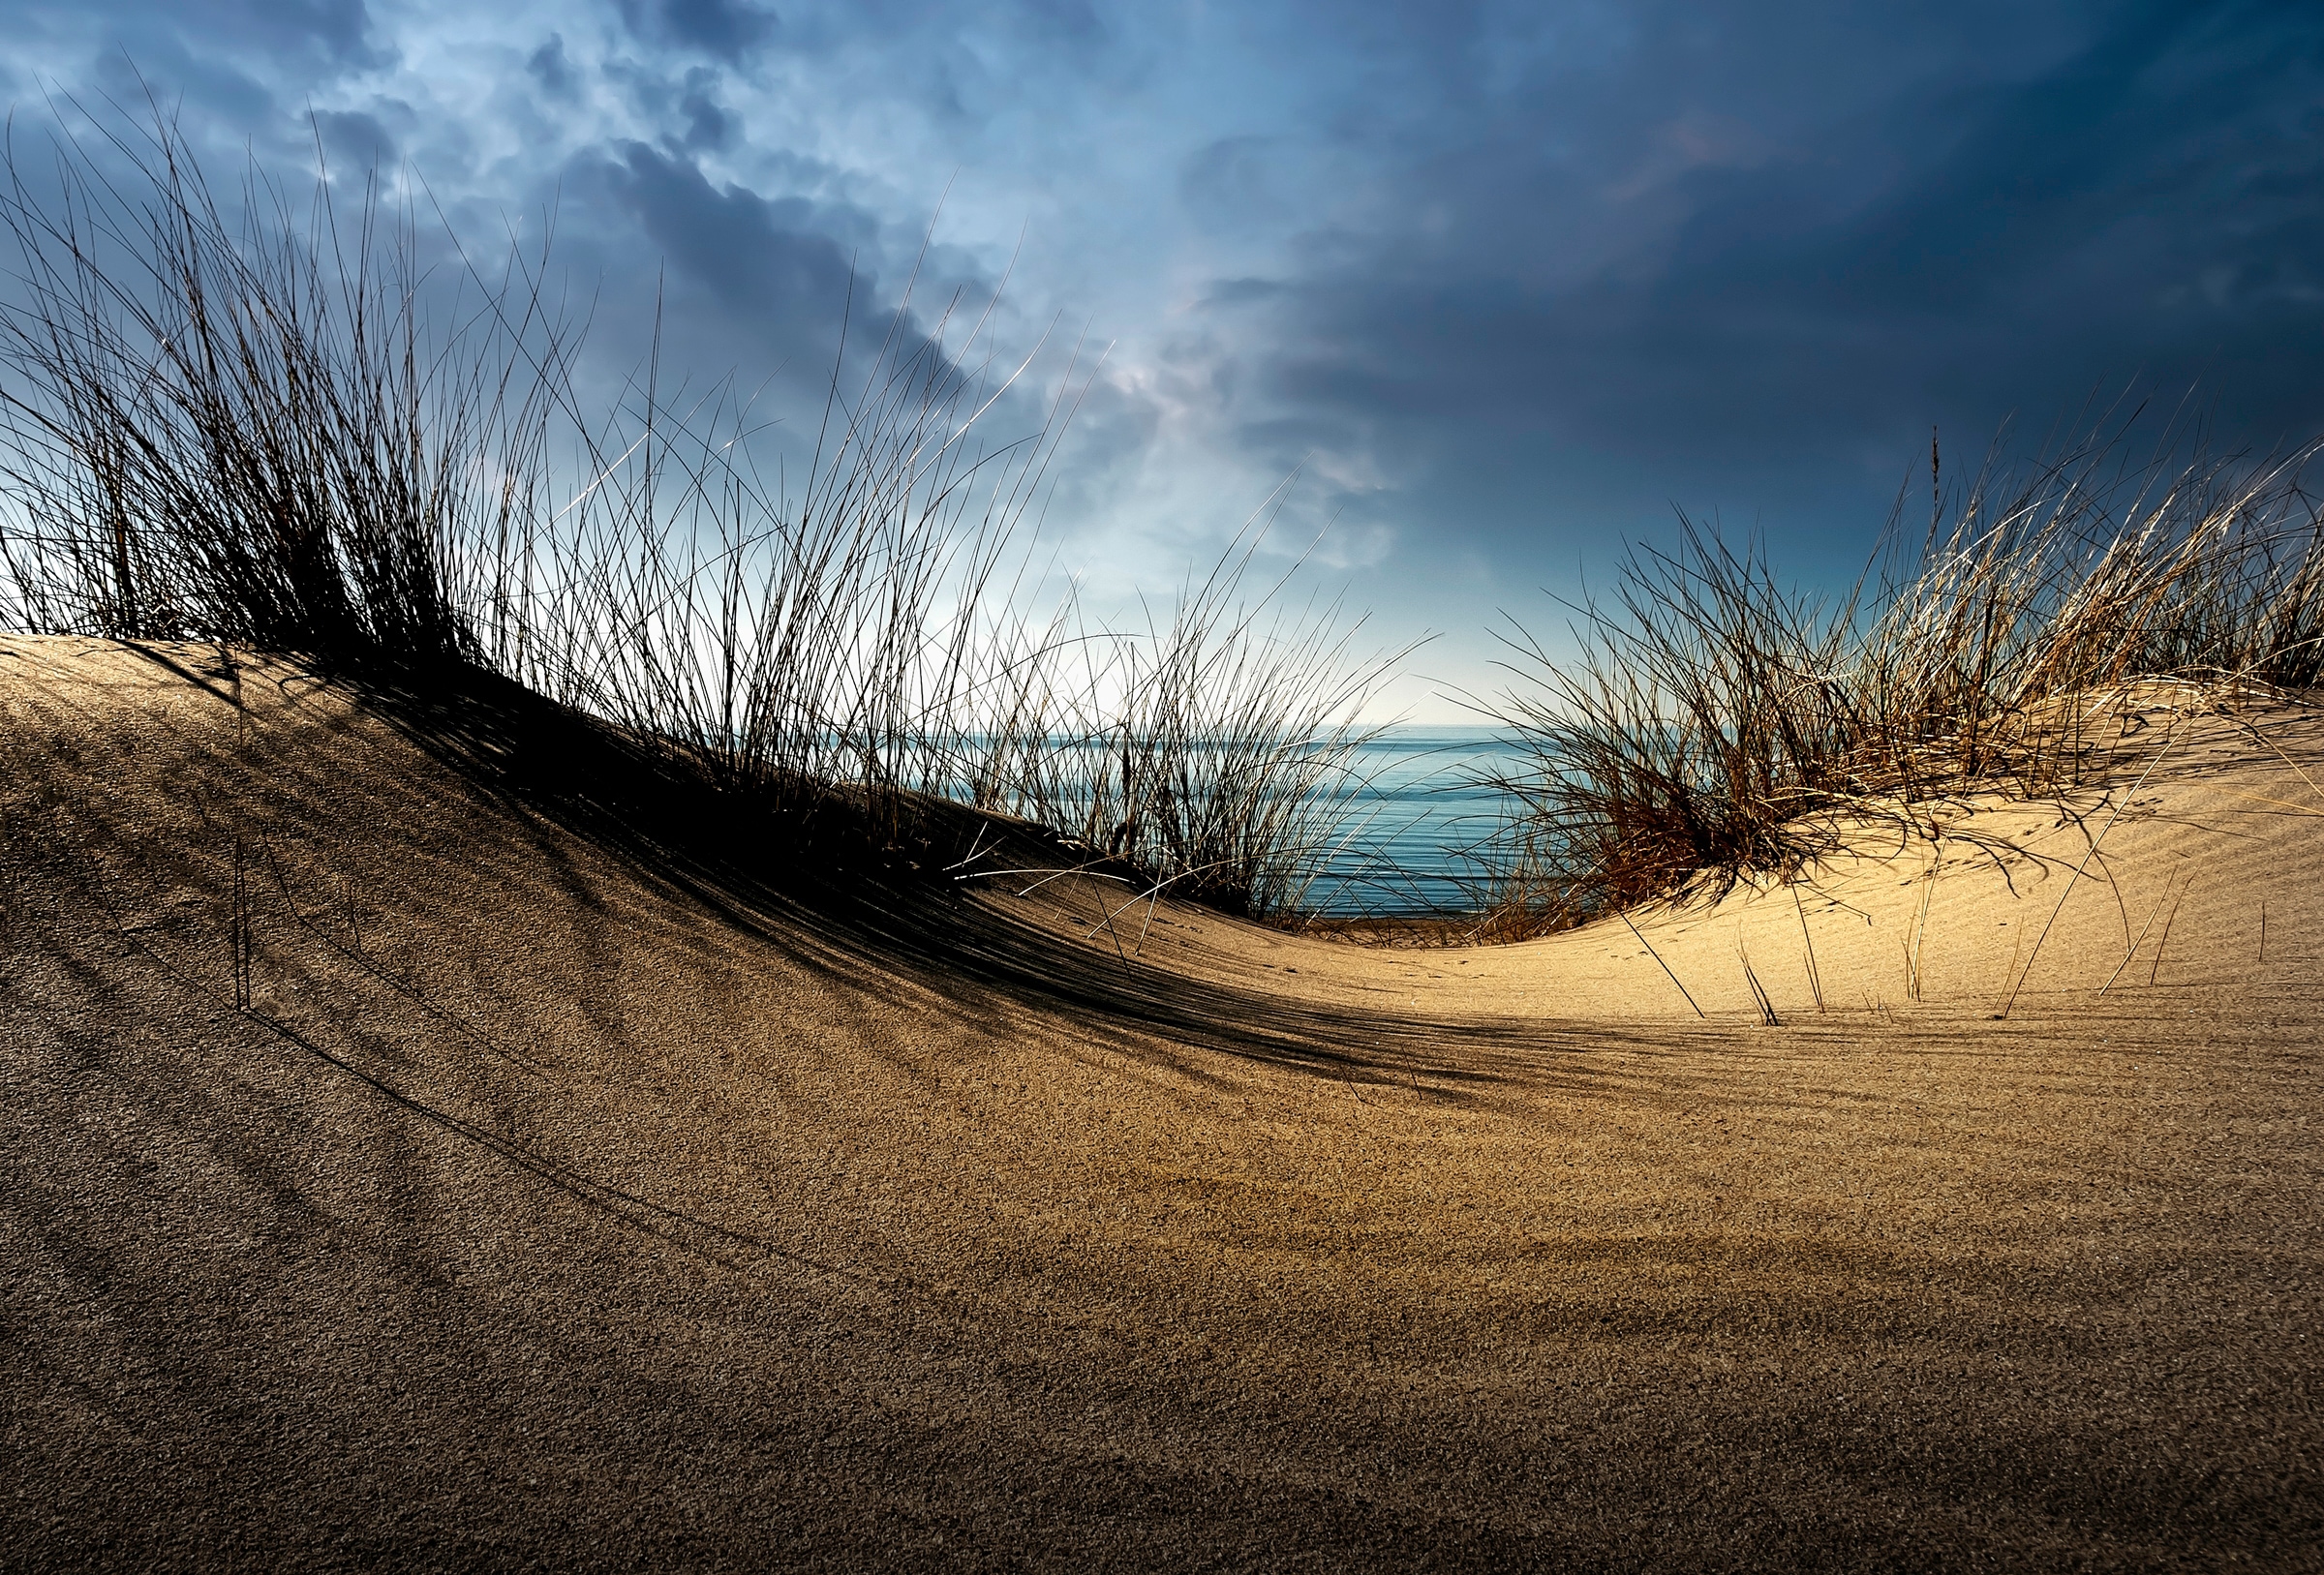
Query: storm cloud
{"points": [[1505, 281], [1749, 283]]}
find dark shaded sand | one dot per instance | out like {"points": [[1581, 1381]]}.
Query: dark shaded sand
{"points": [[592, 1183]]}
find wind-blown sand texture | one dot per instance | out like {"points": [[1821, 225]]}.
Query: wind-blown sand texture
{"points": [[589, 1181]]}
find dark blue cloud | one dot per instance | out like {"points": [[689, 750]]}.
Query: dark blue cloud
{"points": [[767, 261], [2146, 206], [728, 29], [355, 142], [708, 125], [550, 66]]}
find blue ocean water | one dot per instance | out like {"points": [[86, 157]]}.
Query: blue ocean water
{"points": [[1417, 821]]}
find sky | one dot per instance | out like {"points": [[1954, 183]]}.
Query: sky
{"points": [[1500, 287]]}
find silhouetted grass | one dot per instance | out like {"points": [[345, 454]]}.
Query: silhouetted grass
{"points": [[248, 431], [266, 424]]}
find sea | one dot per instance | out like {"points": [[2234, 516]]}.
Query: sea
{"points": [[1415, 835]]}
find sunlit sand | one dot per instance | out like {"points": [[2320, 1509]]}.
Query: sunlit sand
{"points": [[528, 1166]]}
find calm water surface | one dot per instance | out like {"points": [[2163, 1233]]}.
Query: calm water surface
{"points": [[1413, 820]]}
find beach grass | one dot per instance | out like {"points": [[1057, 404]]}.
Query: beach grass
{"points": [[269, 423], [273, 424], [1713, 723]]}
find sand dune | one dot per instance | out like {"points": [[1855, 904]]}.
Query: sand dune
{"points": [[432, 1138]]}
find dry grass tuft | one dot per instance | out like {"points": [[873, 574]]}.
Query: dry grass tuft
{"points": [[1717, 723], [247, 423]]}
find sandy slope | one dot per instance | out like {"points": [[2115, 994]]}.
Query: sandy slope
{"points": [[588, 1183]]}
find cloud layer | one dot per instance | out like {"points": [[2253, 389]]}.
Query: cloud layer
{"points": [[1508, 279]]}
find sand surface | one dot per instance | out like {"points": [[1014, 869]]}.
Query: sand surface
{"points": [[428, 1138]]}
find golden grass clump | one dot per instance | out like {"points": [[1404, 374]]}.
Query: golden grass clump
{"points": [[1715, 722]]}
